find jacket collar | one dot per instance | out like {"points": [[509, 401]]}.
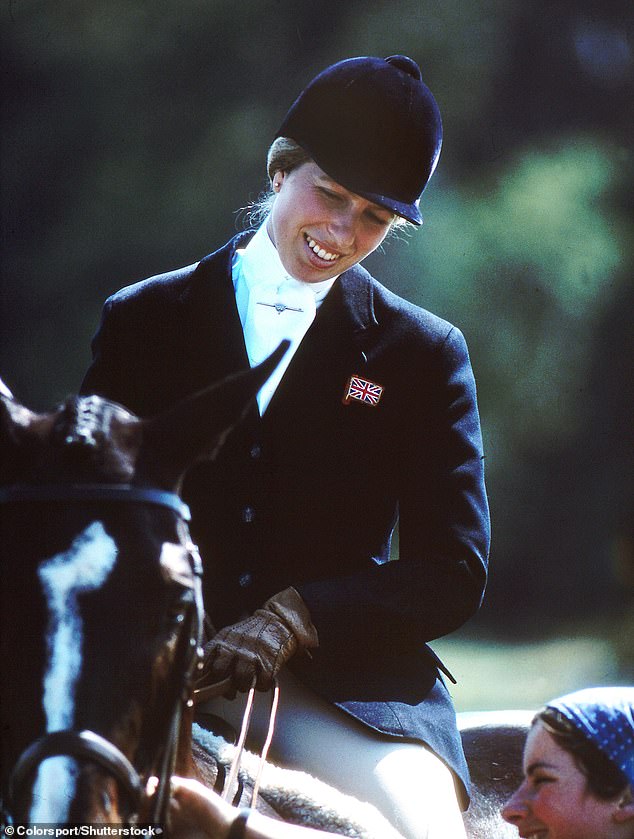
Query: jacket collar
{"points": [[357, 299]]}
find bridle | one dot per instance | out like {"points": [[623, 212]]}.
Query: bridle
{"points": [[87, 745], [95, 492]]}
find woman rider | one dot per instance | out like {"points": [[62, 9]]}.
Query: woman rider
{"points": [[370, 418]]}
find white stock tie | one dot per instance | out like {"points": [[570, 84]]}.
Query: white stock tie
{"points": [[277, 311]]}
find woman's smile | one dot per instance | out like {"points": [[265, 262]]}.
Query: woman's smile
{"points": [[320, 250]]}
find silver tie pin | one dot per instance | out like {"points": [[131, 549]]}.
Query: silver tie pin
{"points": [[280, 307]]}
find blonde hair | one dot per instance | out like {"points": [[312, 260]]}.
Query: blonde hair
{"points": [[284, 156]]}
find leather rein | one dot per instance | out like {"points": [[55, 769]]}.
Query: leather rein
{"points": [[87, 745]]}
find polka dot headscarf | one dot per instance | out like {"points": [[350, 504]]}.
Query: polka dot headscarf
{"points": [[606, 717]]}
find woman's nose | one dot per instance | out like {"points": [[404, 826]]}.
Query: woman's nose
{"points": [[515, 808], [342, 229]]}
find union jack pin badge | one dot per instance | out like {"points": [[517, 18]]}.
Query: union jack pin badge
{"points": [[362, 390]]}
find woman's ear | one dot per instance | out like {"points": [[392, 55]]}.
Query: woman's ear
{"points": [[277, 180], [624, 810]]}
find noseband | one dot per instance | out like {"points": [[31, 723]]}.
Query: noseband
{"points": [[87, 745], [78, 744]]}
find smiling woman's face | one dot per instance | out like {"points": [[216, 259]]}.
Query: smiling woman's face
{"points": [[319, 228], [554, 801]]}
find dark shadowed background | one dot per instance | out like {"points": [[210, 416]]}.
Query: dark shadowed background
{"points": [[133, 133]]}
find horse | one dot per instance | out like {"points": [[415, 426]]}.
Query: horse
{"points": [[493, 743], [101, 604], [101, 620]]}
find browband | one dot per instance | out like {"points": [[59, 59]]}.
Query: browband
{"points": [[94, 492]]}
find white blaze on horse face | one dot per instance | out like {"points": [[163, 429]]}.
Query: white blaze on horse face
{"points": [[85, 566]]}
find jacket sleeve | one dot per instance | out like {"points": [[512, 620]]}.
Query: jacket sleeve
{"points": [[438, 580]]}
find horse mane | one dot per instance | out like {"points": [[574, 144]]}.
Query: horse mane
{"points": [[83, 422], [91, 432]]}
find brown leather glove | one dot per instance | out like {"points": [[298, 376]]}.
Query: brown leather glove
{"points": [[259, 645]]}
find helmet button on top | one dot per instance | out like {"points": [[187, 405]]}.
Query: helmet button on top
{"points": [[406, 64]]}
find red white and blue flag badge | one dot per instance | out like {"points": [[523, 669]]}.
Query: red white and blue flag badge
{"points": [[362, 390]]}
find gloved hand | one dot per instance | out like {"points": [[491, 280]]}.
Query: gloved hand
{"points": [[259, 645]]}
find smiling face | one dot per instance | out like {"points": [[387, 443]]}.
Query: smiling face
{"points": [[554, 801], [319, 228]]}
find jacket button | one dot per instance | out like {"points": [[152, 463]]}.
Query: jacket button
{"points": [[248, 514], [245, 579]]}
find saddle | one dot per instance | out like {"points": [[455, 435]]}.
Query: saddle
{"points": [[287, 794]]}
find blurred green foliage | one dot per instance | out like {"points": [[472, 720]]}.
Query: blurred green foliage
{"points": [[531, 252], [133, 133]]}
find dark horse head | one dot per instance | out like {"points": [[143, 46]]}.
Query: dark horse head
{"points": [[100, 606]]}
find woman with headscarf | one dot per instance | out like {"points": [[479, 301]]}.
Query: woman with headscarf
{"points": [[579, 769]]}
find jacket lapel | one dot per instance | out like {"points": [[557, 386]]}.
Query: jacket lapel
{"points": [[331, 348], [215, 338]]}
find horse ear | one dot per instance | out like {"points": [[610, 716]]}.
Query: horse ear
{"points": [[14, 418], [197, 427], [15, 427], [4, 391], [7, 423]]}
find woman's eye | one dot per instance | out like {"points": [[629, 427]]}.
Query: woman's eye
{"points": [[330, 196]]}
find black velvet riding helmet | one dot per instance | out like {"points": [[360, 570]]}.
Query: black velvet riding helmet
{"points": [[373, 126]]}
